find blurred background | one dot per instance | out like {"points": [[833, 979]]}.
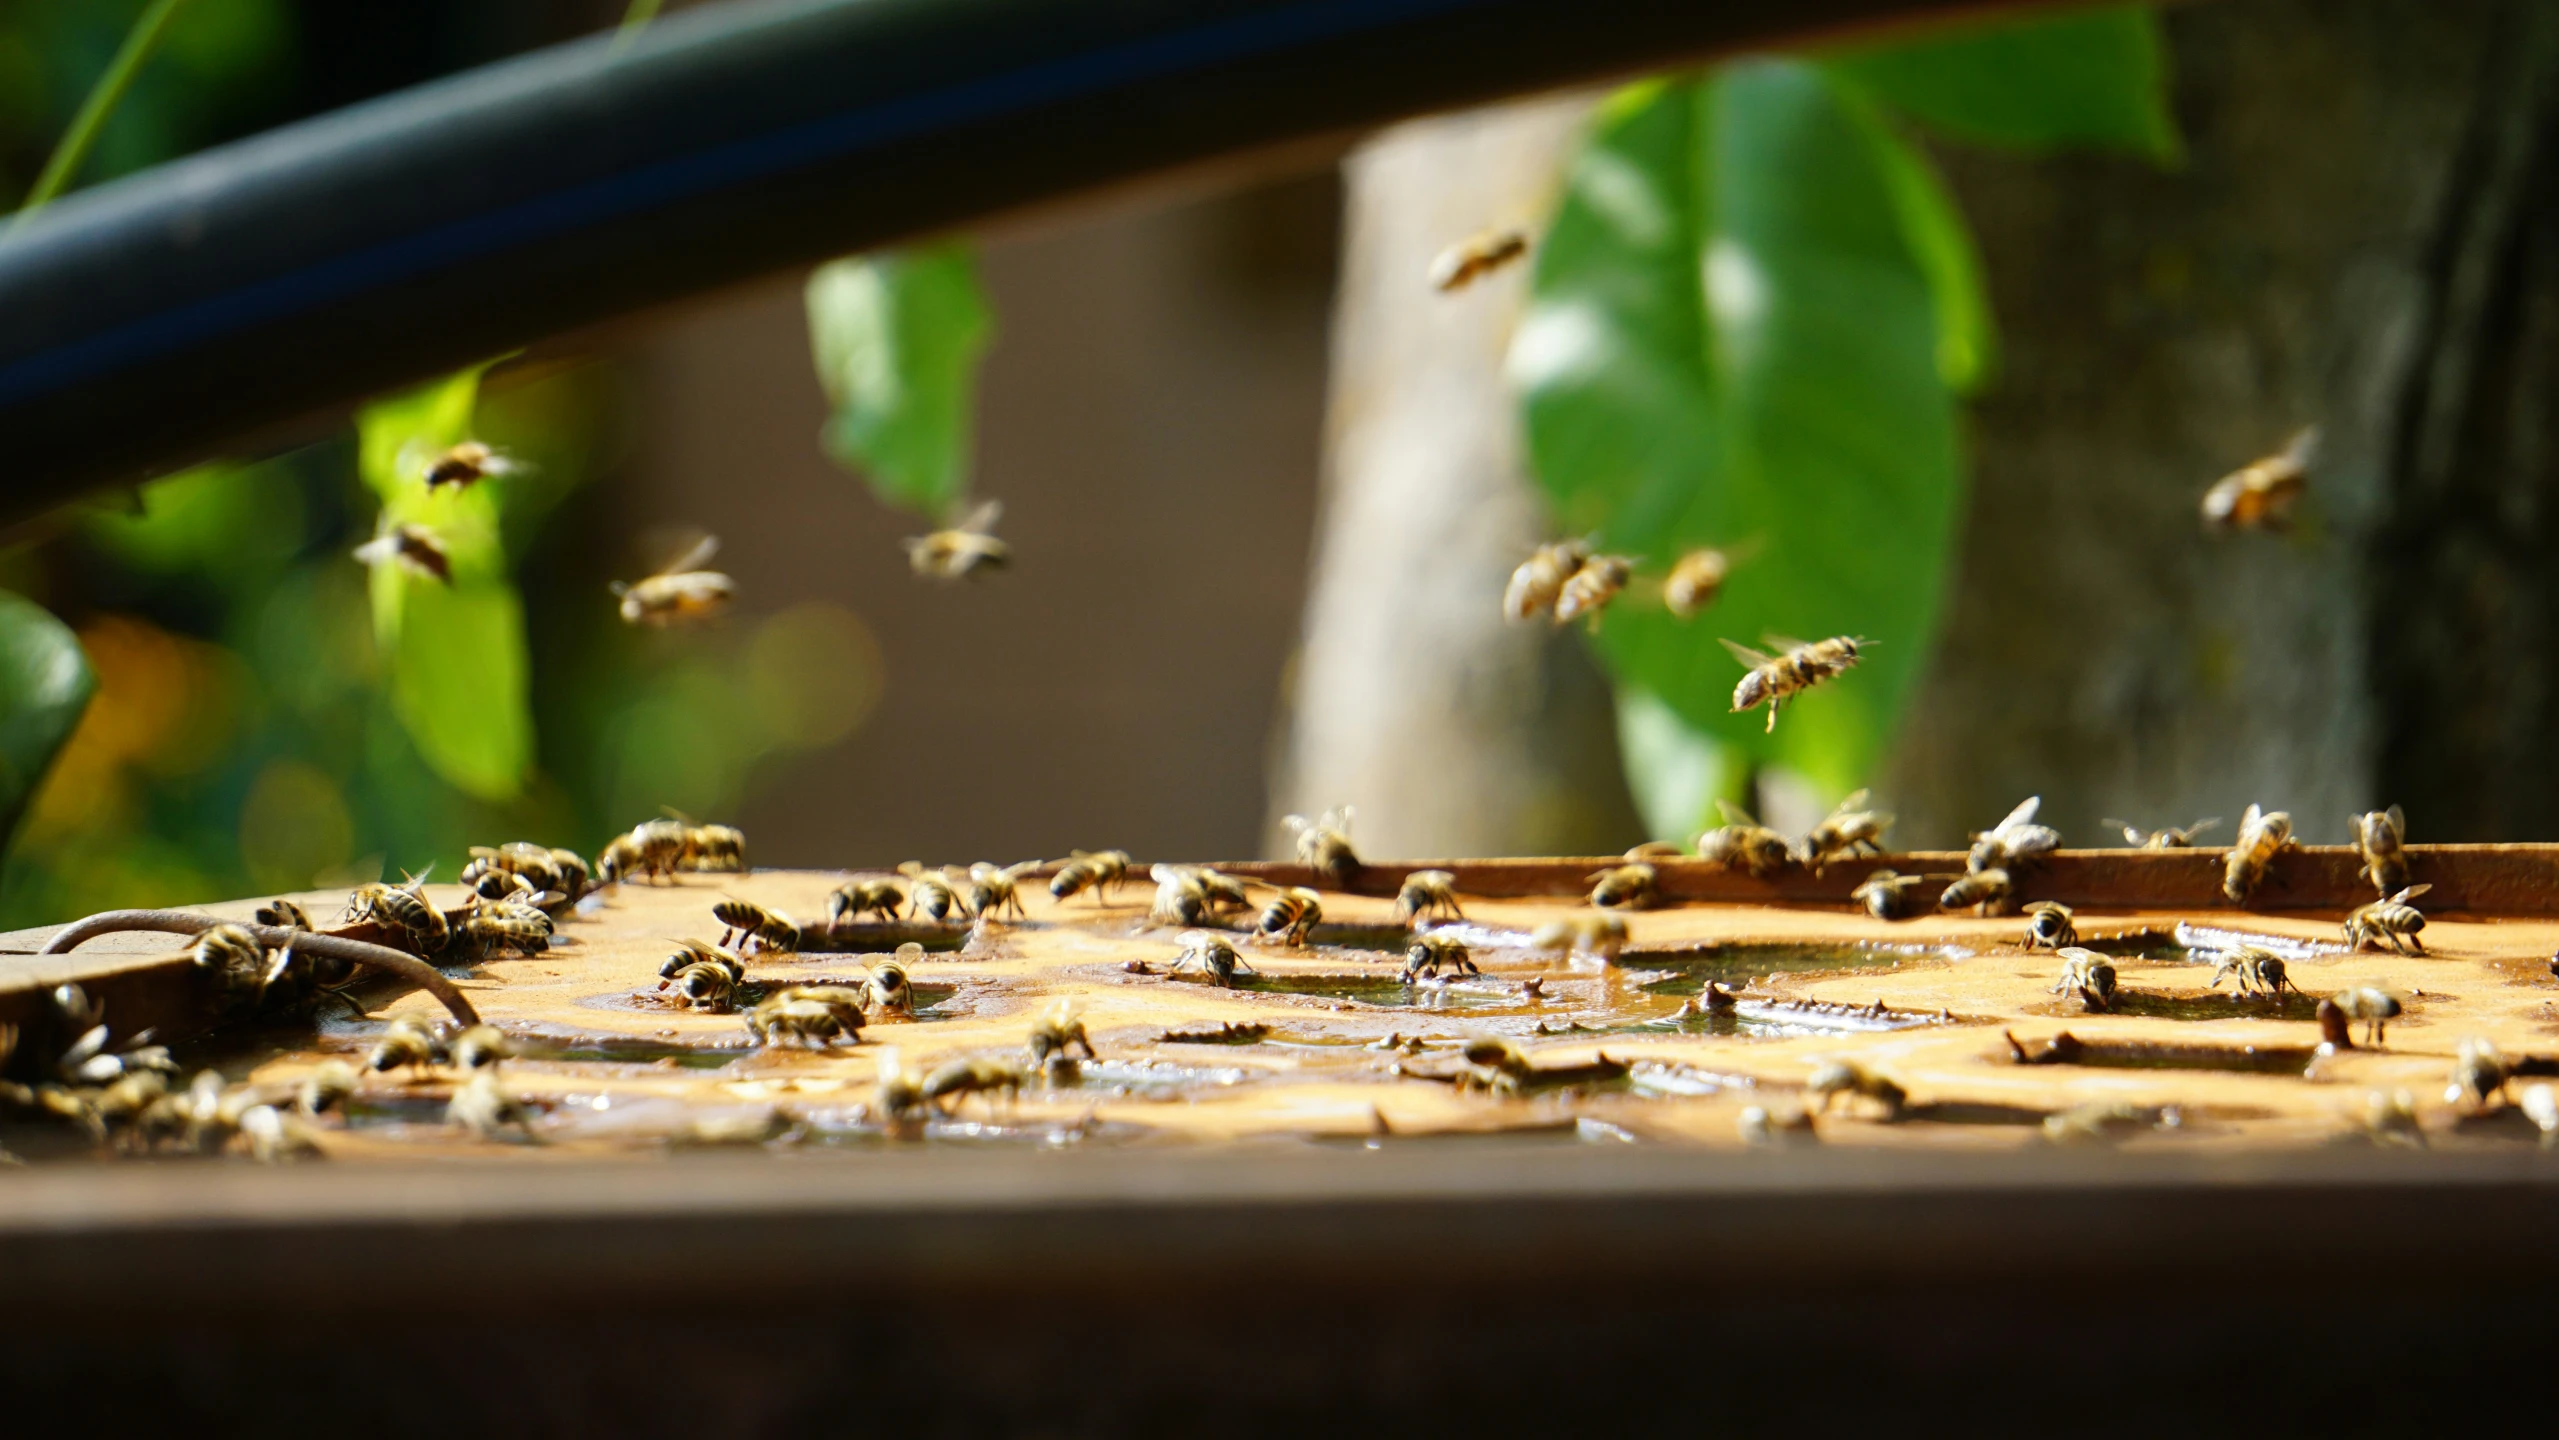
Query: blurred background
{"points": [[1264, 487]]}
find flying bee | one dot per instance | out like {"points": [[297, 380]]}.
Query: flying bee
{"points": [[789, 1018], [1847, 1077], [1985, 892], [1539, 581], [1476, 256], [2479, 1071], [1799, 667], [2088, 975], [1433, 949], [2263, 834], [929, 892], [1695, 580], [1599, 934], [754, 925], [2049, 927], [2171, 838], [1427, 892], [467, 464], [985, 1077], [408, 1042], [2261, 494], [857, 898], [1211, 954], [681, 593], [2016, 840], [1744, 843], [413, 548], [1095, 870], [284, 915], [481, 1106], [1324, 845], [962, 550], [480, 1047], [1887, 896], [719, 848], [695, 952], [1630, 886], [993, 888], [2259, 972], [889, 989], [1851, 829], [2376, 1008], [1290, 914], [1589, 589], [2392, 921], [1059, 1032], [704, 985], [2381, 836]]}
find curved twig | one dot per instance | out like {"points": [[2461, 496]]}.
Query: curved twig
{"points": [[309, 942]]}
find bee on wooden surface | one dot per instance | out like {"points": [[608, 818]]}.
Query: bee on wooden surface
{"points": [[493, 931], [1985, 892], [2088, 975], [1290, 913], [993, 888], [681, 593], [2391, 921], [1539, 581], [284, 915], [2263, 834], [409, 1042], [1630, 886], [898, 1100], [1597, 934], [231, 956], [1761, 1126], [328, 1087], [2015, 841], [482, 1106], [808, 1017], [890, 989], [985, 1077], [715, 848], [1180, 898], [1742, 842], [500, 885], [1888, 895], [2259, 972], [1851, 829], [2261, 494], [1212, 955], [413, 548], [468, 464], [1695, 580], [2390, 1118], [1476, 256], [2171, 838], [272, 1137], [962, 550], [704, 985], [575, 877], [1427, 892], [849, 1004], [1833, 1078], [1431, 950], [929, 892], [403, 908], [2049, 926], [498, 873], [857, 898], [2479, 1073], [1059, 1032], [1098, 871], [2099, 1122], [1774, 679], [1324, 845], [1494, 1064], [696, 952], [1590, 588], [754, 926], [481, 1047], [2375, 1008], [2381, 836]]}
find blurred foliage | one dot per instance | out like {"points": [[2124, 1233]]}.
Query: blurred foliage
{"points": [[897, 339], [1751, 322], [45, 683]]}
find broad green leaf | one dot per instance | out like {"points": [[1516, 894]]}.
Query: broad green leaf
{"points": [[1674, 772], [456, 655], [2094, 78], [897, 339], [1942, 244], [1730, 342], [45, 683]]}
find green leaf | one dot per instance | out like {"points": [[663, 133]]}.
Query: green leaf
{"points": [[2095, 78], [1674, 772], [1730, 342], [1942, 244], [457, 657], [45, 684], [897, 339]]}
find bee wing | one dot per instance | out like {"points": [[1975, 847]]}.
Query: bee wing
{"points": [[1750, 658], [2022, 816], [2201, 826], [1853, 800], [2411, 893], [2398, 820], [1295, 824], [1782, 643], [693, 559], [982, 518], [2249, 817], [1735, 815], [2302, 450]]}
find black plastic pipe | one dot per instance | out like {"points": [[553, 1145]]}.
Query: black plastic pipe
{"points": [[151, 322]]}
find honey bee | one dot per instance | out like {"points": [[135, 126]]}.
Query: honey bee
{"points": [[413, 548], [1744, 842], [1495, 1064], [284, 915], [575, 879], [929, 892], [273, 1137], [679, 594], [481, 1047], [1601, 935], [1095, 870], [481, 1106], [408, 1042], [1212, 955], [2049, 927], [1539, 581], [1427, 892], [467, 464], [899, 1100], [2259, 972], [2479, 1072], [230, 955], [1798, 667], [1761, 1126], [1589, 589], [1630, 886], [1290, 914], [993, 888], [808, 1017], [1833, 1078], [2376, 1008], [985, 1076], [2380, 835], [2098, 1122], [1324, 846], [704, 985], [849, 1004], [1887, 895], [1985, 892], [1695, 581], [857, 898], [328, 1087], [1431, 950], [890, 990], [495, 930], [2392, 921], [755, 926], [1224, 891], [2390, 1118], [488, 869], [963, 549], [499, 884], [1475, 257], [404, 908], [2171, 838], [2263, 834], [2015, 841], [719, 848], [1851, 829], [1059, 1032], [2261, 494], [2088, 975], [695, 952]]}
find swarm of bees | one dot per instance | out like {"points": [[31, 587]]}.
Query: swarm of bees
{"points": [[1568, 580]]}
